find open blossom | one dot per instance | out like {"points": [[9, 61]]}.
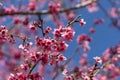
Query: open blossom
{"points": [[11, 77], [4, 35], [114, 13], [92, 7], [82, 22], [21, 46], [92, 30], [47, 30], [65, 71], [32, 27], [85, 76], [98, 59], [3, 31], [32, 5]]}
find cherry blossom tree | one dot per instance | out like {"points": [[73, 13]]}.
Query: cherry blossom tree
{"points": [[41, 40]]}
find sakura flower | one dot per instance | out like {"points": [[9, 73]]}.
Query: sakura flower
{"points": [[61, 57], [82, 22], [92, 30], [24, 67], [16, 20], [92, 7], [32, 6], [30, 43], [98, 59], [21, 46], [3, 31], [32, 27], [11, 77], [26, 46], [114, 13], [47, 30], [65, 71], [85, 76]]}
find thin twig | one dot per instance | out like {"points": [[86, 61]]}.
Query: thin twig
{"points": [[32, 68], [71, 22]]}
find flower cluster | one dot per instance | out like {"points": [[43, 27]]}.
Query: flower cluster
{"points": [[54, 7], [66, 33], [51, 45]]}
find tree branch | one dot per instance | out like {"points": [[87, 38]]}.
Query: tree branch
{"points": [[81, 5]]}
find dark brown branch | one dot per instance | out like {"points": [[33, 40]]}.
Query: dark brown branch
{"points": [[32, 68], [78, 6], [71, 22]]}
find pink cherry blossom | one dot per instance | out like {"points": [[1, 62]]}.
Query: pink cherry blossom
{"points": [[82, 22], [114, 13], [92, 7], [98, 59]]}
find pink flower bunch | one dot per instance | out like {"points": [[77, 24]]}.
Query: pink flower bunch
{"points": [[66, 33], [54, 7], [9, 10], [51, 44]]}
